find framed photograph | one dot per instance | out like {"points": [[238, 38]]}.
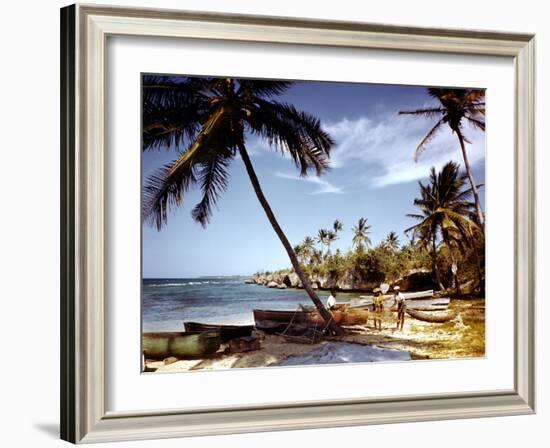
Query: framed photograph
{"points": [[275, 223]]}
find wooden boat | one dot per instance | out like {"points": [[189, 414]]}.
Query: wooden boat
{"points": [[441, 302], [356, 316], [227, 332], [427, 294], [430, 308], [433, 317], [420, 299], [180, 345], [275, 320]]}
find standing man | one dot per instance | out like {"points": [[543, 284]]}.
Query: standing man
{"points": [[399, 300], [378, 308]]}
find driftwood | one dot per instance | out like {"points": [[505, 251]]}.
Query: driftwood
{"points": [[434, 317]]}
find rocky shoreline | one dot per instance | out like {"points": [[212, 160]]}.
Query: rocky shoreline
{"points": [[412, 280]]}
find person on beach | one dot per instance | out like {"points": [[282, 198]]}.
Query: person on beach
{"points": [[331, 301], [399, 301], [378, 308]]}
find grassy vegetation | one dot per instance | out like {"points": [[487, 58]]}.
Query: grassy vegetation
{"points": [[463, 337]]}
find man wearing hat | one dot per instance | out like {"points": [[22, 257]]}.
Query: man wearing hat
{"points": [[399, 301]]}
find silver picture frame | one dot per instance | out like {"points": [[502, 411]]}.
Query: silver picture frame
{"points": [[84, 32]]}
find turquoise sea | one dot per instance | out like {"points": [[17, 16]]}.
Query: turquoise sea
{"points": [[167, 302]]}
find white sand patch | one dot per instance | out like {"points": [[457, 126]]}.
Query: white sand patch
{"points": [[345, 352]]}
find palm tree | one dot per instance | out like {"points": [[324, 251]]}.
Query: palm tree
{"points": [[445, 213], [337, 227], [317, 256], [457, 106], [308, 246], [331, 238], [322, 238], [392, 241], [207, 120], [361, 234], [299, 251]]}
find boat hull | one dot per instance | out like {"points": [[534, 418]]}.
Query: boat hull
{"points": [[227, 332], [274, 320], [432, 317], [412, 302], [180, 345]]}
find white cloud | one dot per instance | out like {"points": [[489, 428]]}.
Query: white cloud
{"points": [[384, 148], [255, 146], [325, 187]]}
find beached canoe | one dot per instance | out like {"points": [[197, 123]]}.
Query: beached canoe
{"points": [[275, 320], [427, 294], [227, 332], [433, 317], [180, 345], [413, 300], [416, 303]]}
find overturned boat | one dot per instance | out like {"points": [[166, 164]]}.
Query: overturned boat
{"points": [[227, 332], [180, 345]]}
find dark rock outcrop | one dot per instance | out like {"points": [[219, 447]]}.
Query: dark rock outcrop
{"points": [[416, 280]]}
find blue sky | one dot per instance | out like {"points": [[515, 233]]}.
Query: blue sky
{"points": [[372, 175]]}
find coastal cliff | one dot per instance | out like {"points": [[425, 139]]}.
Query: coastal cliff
{"points": [[414, 279]]}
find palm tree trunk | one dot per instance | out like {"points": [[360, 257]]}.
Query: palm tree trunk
{"points": [[434, 265], [454, 270], [472, 181], [480, 280], [331, 325]]}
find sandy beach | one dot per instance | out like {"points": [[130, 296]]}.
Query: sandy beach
{"points": [[463, 337]]}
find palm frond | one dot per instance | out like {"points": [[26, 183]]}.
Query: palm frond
{"points": [[426, 139], [169, 128], [213, 177], [474, 95], [295, 133], [476, 123], [263, 87], [415, 216], [168, 90], [166, 187], [173, 110], [164, 190], [427, 112]]}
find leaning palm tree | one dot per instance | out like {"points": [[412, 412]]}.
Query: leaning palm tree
{"points": [[207, 120], [457, 106], [361, 234], [392, 241], [445, 213]]}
